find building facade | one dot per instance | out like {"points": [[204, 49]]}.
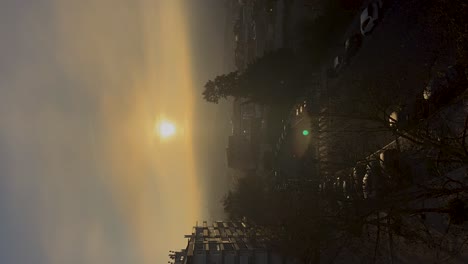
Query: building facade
{"points": [[225, 242], [245, 145], [240, 153]]}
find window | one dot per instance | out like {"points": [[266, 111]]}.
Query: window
{"points": [[228, 246], [242, 245], [213, 246], [199, 246]]}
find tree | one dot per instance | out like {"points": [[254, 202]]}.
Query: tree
{"points": [[246, 200], [221, 87], [276, 77], [434, 142]]}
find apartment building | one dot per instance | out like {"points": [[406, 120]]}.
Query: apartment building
{"points": [[225, 242]]}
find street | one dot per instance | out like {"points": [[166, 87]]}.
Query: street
{"points": [[372, 149], [395, 62]]}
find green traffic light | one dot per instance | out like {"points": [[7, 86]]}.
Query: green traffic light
{"points": [[305, 132]]}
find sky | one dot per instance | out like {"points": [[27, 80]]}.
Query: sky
{"points": [[84, 177]]}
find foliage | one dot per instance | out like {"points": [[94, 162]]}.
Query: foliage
{"points": [[247, 200], [273, 78], [222, 86]]}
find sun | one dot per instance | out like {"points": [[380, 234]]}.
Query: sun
{"points": [[166, 129]]}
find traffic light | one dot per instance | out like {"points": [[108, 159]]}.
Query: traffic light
{"points": [[305, 132]]}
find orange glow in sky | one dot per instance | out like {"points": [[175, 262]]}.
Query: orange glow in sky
{"points": [[137, 59]]}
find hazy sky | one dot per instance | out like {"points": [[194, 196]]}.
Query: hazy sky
{"points": [[83, 176]]}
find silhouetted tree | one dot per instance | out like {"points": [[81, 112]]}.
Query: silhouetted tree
{"points": [[222, 86], [273, 78], [246, 200]]}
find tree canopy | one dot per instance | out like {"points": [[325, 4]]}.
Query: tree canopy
{"points": [[272, 78]]}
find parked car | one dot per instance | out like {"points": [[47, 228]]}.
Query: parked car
{"points": [[435, 86], [348, 186], [253, 30], [444, 86], [370, 17], [352, 45], [343, 184], [390, 159], [409, 114], [358, 175], [373, 182], [331, 73], [392, 167], [328, 186], [338, 64], [403, 117], [393, 119], [338, 187]]}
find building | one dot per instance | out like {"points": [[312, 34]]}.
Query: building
{"points": [[178, 257], [245, 145], [225, 243], [240, 154]]}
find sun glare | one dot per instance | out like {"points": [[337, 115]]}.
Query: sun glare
{"points": [[166, 129]]}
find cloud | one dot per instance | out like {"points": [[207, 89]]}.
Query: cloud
{"points": [[82, 84]]}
